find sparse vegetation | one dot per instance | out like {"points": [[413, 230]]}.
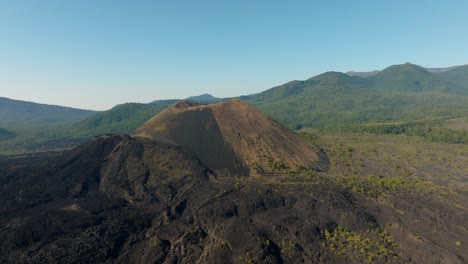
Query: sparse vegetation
{"points": [[366, 247], [377, 186], [279, 165]]}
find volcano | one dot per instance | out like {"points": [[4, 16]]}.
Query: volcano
{"points": [[233, 138], [172, 192]]}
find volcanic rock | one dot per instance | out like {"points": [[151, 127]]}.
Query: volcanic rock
{"points": [[233, 138]]}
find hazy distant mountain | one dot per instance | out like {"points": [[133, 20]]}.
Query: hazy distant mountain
{"points": [[165, 102], [19, 113], [431, 70], [362, 74], [441, 70], [204, 99], [458, 75], [122, 118]]}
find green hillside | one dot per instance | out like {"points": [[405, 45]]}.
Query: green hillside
{"points": [[15, 113], [362, 74], [37, 127], [326, 83], [413, 78], [127, 117], [402, 99], [458, 75], [122, 118], [5, 134]]}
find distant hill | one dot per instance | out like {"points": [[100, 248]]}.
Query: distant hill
{"points": [[122, 118], [204, 99], [5, 134], [412, 78], [330, 82], [362, 74], [164, 102], [36, 137], [335, 100], [431, 70], [441, 70], [313, 102], [458, 75], [18, 113]]}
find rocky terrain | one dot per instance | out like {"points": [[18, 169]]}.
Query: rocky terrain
{"points": [[225, 184]]}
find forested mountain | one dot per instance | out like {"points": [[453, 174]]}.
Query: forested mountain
{"points": [[398, 93], [458, 75], [125, 118], [413, 78], [18, 113], [400, 99], [122, 118], [203, 99]]}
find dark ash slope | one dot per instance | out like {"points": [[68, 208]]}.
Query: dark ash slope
{"points": [[124, 200]]}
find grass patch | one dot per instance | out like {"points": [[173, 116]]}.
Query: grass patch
{"points": [[378, 186], [365, 247]]}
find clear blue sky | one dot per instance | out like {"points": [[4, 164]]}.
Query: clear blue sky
{"points": [[98, 53]]}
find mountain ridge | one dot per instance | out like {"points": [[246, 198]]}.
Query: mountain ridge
{"points": [[411, 77], [458, 75], [16, 113]]}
